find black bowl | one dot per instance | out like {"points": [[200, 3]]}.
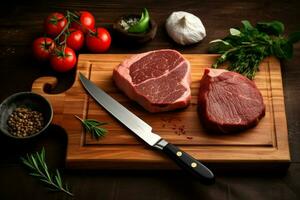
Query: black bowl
{"points": [[30, 100], [134, 38]]}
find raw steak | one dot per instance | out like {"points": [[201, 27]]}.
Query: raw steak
{"points": [[229, 102], [158, 80]]}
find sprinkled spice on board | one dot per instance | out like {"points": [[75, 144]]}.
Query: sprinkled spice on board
{"points": [[175, 125], [24, 122]]}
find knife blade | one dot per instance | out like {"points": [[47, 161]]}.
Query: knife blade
{"points": [[144, 131]]}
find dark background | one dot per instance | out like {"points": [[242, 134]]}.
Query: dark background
{"points": [[20, 23]]}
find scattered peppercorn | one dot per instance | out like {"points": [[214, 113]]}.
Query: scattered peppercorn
{"points": [[24, 122]]}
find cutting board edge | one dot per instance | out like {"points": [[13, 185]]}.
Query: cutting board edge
{"points": [[101, 157]]}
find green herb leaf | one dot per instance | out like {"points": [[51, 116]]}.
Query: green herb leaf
{"points": [[219, 40], [246, 47], [247, 25], [58, 179], [234, 32], [93, 126], [272, 28], [35, 174], [27, 163], [219, 46], [282, 49], [36, 163]]}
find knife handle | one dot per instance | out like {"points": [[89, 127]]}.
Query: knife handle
{"points": [[189, 163]]}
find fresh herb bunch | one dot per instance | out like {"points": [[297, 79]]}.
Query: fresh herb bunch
{"points": [[247, 46], [36, 162], [93, 126]]}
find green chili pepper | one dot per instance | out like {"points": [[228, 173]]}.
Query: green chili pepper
{"points": [[142, 25]]}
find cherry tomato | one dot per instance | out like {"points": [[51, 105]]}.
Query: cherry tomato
{"points": [[99, 41], [42, 48], [54, 24], [87, 21], [63, 61], [75, 40]]}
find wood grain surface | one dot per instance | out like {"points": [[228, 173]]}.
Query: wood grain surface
{"points": [[267, 142]]}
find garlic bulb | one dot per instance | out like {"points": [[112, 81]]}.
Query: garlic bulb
{"points": [[185, 28]]}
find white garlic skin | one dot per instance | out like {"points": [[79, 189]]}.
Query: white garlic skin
{"points": [[185, 28]]}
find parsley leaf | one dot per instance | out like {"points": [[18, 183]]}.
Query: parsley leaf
{"points": [[247, 46]]}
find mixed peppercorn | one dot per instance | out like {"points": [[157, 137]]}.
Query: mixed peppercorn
{"points": [[24, 122]]}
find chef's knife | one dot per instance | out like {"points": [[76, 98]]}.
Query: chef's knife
{"points": [[144, 131]]}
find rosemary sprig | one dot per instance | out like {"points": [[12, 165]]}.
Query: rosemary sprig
{"points": [[93, 126], [36, 162]]}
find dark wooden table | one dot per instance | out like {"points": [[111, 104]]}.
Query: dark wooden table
{"points": [[20, 23]]}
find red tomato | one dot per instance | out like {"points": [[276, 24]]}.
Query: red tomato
{"points": [[42, 48], [76, 39], [55, 23], [63, 61], [99, 41], [87, 21]]}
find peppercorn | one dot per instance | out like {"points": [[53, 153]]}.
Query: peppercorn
{"points": [[24, 122]]}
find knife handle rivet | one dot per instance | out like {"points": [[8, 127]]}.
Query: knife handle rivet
{"points": [[179, 153], [194, 164]]}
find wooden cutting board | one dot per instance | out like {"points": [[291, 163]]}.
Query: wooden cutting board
{"points": [[267, 142]]}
